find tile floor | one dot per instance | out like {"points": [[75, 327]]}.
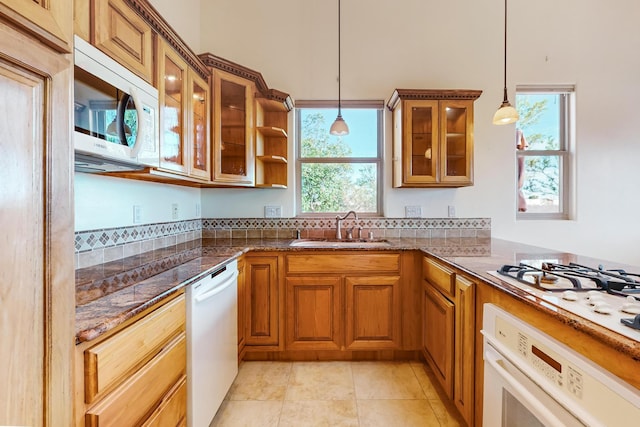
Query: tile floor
{"points": [[345, 394]]}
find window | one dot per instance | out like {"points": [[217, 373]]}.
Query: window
{"points": [[543, 135], [338, 174]]}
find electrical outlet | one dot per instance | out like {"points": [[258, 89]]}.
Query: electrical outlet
{"points": [[451, 211], [175, 211], [272, 211], [198, 211], [413, 211], [137, 214]]}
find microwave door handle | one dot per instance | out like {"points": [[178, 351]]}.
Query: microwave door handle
{"points": [[141, 123]]}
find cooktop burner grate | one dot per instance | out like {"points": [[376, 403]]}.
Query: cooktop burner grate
{"points": [[576, 277]]}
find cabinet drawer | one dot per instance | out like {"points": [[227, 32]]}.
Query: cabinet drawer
{"points": [[173, 411], [107, 363], [439, 276], [135, 398], [342, 263]]}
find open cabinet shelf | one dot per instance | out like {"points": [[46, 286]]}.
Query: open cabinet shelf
{"points": [[272, 143]]}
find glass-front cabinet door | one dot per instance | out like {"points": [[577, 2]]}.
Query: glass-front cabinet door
{"points": [[234, 157], [421, 146], [172, 89], [200, 147], [457, 132], [432, 137]]}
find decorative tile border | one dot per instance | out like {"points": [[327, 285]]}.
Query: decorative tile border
{"points": [[95, 247]]}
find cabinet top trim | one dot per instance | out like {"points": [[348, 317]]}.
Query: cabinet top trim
{"points": [[214, 61], [157, 22], [436, 94]]}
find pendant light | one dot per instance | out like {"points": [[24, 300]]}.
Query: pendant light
{"points": [[339, 126], [506, 113]]}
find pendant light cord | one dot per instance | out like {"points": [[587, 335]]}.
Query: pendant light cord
{"points": [[339, 56], [505, 51]]}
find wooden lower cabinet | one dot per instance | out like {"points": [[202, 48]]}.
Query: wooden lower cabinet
{"points": [[438, 330], [464, 371], [262, 306], [372, 320], [449, 333], [343, 301], [314, 313], [242, 308], [136, 374], [172, 411]]}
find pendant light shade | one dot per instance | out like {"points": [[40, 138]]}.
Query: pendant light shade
{"points": [[339, 126], [506, 113]]}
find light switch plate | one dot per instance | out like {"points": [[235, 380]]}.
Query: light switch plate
{"points": [[413, 211], [451, 210], [272, 211]]}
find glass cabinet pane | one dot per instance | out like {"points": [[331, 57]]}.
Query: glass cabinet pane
{"points": [[422, 140], [199, 108], [233, 128], [172, 128], [456, 141]]}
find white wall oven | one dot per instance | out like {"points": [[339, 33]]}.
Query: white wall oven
{"points": [[115, 114], [531, 379]]}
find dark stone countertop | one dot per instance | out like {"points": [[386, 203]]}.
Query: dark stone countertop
{"points": [[109, 294]]}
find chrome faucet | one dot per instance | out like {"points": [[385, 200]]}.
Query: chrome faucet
{"points": [[339, 220]]}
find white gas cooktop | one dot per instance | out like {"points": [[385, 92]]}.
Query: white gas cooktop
{"points": [[596, 306]]}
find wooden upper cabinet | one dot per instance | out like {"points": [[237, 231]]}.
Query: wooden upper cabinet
{"points": [[198, 115], [272, 145], [432, 137], [184, 116], [122, 34], [47, 21], [172, 85], [233, 139]]}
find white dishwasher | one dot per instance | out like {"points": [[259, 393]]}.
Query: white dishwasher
{"points": [[212, 342]]}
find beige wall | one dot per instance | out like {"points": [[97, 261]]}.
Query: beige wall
{"points": [[456, 44]]}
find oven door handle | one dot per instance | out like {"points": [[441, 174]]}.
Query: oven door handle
{"points": [[494, 359]]}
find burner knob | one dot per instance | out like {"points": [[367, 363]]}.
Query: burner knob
{"points": [[594, 297], [602, 308], [570, 295], [631, 306]]}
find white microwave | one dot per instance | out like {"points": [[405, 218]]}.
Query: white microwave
{"points": [[115, 114]]}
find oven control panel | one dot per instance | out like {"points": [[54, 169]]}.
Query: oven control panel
{"points": [[569, 377]]}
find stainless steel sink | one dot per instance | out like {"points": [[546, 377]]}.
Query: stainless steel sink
{"points": [[328, 243]]}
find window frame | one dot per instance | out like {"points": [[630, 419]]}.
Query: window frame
{"points": [[378, 160], [564, 152]]}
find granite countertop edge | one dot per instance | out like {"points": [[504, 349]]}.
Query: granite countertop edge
{"points": [[473, 256]]}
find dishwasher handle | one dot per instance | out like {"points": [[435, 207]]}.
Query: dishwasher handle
{"points": [[219, 288]]}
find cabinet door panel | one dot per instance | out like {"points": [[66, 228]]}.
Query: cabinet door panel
{"points": [[36, 289], [234, 154], [465, 344], [456, 156], [438, 339], [263, 303], [313, 313], [373, 318], [199, 124], [123, 35], [173, 112], [421, 148]]}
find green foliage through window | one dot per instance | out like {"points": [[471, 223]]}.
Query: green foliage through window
{"points": [[336, 173]]}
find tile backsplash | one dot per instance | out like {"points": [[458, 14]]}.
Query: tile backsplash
{"points": [[94, 247]]}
